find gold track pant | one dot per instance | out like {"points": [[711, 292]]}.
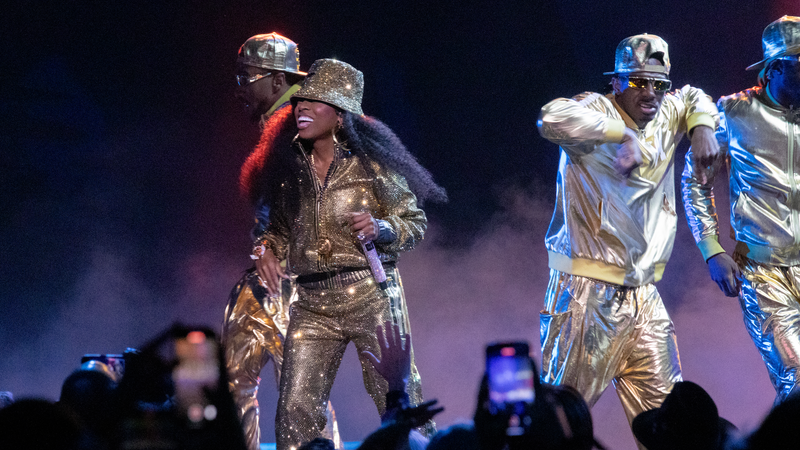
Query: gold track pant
{"points": [[251, 336], [323, 321], [595, 333]]}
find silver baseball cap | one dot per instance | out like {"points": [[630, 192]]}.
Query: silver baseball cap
{"points": [[633, 52], [272, 52], [780, 38]]}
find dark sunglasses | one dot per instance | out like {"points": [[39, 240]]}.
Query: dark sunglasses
{"points": [[244, 80], [659, 85]]}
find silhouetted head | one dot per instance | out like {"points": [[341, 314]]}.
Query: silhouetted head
{"points": [[91, 395], [688, 419], [35, 423]]}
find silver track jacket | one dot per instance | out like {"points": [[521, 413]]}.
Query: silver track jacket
{"points": [[760, 143], [605, 226]]}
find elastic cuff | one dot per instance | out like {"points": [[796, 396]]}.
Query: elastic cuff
{"points": [[386, 234], [710, 247], [615, 130], [701, 119]]}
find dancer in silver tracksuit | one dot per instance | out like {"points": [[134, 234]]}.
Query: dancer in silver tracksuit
{"points": [[759, 138]]}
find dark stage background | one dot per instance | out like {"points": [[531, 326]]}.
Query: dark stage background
{"points": [[120, 144]]}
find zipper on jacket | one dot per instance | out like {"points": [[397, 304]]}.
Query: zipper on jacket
{"points": [[321, 198], [319, 191], [317, 195], [790, 118]]}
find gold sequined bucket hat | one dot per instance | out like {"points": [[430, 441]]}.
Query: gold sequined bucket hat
{"points": [[335, 83], [272, 52], [633, 52], [780, 38]]}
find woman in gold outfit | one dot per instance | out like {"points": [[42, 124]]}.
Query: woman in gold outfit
{"points": [[345, 179]]}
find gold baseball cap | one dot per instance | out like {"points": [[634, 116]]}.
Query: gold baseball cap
{"points": [[334, 82], [780, 38], [272, 52], [633, 52]]}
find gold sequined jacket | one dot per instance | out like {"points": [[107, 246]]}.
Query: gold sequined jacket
{"points": [[605, 226], [760, 144], [313, 234]]}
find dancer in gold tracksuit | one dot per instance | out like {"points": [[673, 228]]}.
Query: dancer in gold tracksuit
{"points": [[613, 228], [255, 323], [759, 137], [346, 178]]}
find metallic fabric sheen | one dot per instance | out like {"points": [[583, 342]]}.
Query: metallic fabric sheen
{"points": [[316, 239], [339, 280], [253, 333], [250, 338], [318, 236], [334, 82], [607, 227], [272, 52], [760, 144], [780, 38], [633, 52], [254, 328], [323, 322], [769, 300], [608, 242], [593, 333]]}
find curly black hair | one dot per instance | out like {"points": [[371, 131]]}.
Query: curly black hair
{"points": [[368, 136]]}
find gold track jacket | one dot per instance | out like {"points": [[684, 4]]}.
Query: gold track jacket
{"points": [[605, 226], [318, 238]]}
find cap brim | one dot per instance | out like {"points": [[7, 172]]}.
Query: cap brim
{"points": [[247, 62], [755, 66], [302, 74], [789, 51], [295, 98], [664, 72]]}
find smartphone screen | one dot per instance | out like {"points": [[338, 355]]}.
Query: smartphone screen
{"points": [[196, 373], [510, 373]]}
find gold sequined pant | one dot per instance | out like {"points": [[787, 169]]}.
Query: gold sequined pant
{"points": [[252, 334], [769, 300], [323, 322], [595, 333]]}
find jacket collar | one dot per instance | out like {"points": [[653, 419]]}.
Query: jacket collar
{"points": [[765, 96]]}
